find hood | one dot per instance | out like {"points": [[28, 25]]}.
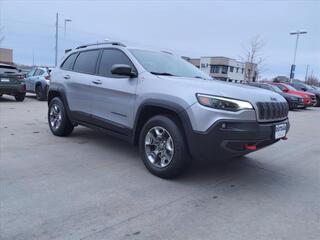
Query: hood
{"points": [[224, 89], [291, 95], [300, 93]]}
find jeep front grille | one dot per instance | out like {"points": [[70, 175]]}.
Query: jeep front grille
{"points": [[272, 110]]}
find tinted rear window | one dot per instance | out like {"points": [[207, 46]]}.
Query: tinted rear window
{"points": [[7, 69], [68, 63], [86, 62]]}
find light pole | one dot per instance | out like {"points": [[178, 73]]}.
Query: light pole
{"points": [[293, 66], [65, 27], [56, 36]]}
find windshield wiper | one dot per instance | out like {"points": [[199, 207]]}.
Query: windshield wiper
{"points": [[162, 73]]}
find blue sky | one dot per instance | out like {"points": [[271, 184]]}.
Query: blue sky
{"points": [[190, 28]]}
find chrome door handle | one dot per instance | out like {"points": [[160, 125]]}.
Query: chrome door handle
{"points": [[97, 81], [67, 77]]}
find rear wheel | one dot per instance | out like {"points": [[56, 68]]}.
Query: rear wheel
{"points": [[20, 97], [59, 123], [40, 95], [162, 147]]}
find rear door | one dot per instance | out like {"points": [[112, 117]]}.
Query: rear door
{"points": [[114, 95], [28, 79], [78, 83]]}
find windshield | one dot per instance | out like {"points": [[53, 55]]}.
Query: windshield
{"points": [[161, 63], [307, 87], [276, 88], [290, 87]]}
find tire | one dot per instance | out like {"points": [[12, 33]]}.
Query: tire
{"points": [[20, 97], [318, 102], [56, 111], [40, 94], [179, 156]]}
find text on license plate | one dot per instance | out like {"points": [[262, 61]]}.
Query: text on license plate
{"points": [[280, 131]]}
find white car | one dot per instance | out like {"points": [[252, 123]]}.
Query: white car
{"points": [[37, 81]]}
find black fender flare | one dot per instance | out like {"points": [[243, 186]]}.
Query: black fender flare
{"points": [[169, 105], [63, 98]]}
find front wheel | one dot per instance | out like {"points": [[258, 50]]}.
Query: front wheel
{"points": [[318, 102], [58, 120], [162, 147], [20, 97]]}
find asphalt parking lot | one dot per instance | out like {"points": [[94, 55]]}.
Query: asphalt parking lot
{"points": [[92, 186]]}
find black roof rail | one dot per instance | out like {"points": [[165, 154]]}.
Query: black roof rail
{"points": [[101, 43], [67, 50], [167, 52]]}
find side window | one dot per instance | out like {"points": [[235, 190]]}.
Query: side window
{"points": [[109, 58], [41, 72], [68, 63], [37, 72], [86, 62]]}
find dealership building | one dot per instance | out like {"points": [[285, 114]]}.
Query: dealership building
{"points": [[6, 55], [226, 69]]}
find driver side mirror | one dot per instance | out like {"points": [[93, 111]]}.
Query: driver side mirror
{"points": [[123, 70]]}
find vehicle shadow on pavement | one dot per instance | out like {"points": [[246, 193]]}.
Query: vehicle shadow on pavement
{"points": [[82, 135], [200, 173], [8, 99]]}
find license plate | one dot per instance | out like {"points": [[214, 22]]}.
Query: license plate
{"points": [[280, 131], [5, 80]]}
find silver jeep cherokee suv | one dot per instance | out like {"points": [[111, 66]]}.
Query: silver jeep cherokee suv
{"points": [[162, 103]]}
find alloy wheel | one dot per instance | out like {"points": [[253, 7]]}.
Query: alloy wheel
{"points": [[159, 147], [55, 117]]}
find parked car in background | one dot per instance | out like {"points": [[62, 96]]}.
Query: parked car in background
{"points": [[37, 81], [306, 88], [309, 98], [316, 87], [294, 101], [163, 104], [12, 82]]}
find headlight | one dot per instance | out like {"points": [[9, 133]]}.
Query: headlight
{"points": [[223, 103]]}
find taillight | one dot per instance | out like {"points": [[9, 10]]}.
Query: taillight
{"points": [[47, 77]]}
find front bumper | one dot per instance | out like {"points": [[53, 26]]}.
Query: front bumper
{"points": [[295, 104], [229, 138]]}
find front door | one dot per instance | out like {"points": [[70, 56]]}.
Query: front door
{"points": [[114, 96]]}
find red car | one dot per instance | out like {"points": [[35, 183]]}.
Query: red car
{"points": [[309, 98]]}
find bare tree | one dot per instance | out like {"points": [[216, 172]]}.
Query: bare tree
{"points": [[253, 57], [313, 80]]}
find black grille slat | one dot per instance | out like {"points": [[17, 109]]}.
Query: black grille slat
{"points": [[272, 110]]}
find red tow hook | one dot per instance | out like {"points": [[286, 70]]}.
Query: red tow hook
{"points": [[285, 138], [250, 147]]}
